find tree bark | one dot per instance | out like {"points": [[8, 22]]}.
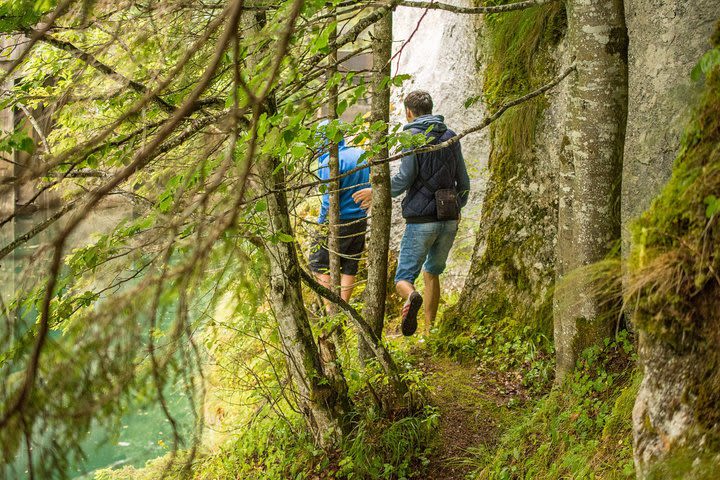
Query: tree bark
{"points": [[324, 403], [588, 220], [379, 241], [334, 185], [8, 168]]}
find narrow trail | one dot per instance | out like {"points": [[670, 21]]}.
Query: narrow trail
{"points": [[472, 413]]}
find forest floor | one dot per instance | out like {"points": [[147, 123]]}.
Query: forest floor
{"points": [[475, 406]]}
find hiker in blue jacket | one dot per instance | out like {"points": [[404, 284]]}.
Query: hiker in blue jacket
{"points": [[353, 220], [437, 186]]}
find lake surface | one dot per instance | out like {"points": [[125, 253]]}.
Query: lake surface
{"points": [[145, 433]]}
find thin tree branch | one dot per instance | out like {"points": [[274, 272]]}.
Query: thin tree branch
{"points": [[510, 7], [36, 126], [58, 12], [105, 69], [37, 229], [84, 149], [139, 161], [351, 35], [364, 330], [431, 148]]}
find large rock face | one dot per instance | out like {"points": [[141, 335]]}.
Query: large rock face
{"points": [[513, 264], [435, 48], [666, 41]]}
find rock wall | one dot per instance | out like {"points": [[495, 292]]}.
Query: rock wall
{"points": [[433, 47], [513, 261], [666, 41]]}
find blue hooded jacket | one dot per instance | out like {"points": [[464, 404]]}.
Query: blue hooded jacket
{"points": [[349, 156]]}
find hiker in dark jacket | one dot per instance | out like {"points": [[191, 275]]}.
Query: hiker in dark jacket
{"points": [[433, 182]]}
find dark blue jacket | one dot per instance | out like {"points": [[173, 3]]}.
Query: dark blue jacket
{"points": [[349, 210], [440, 169]]}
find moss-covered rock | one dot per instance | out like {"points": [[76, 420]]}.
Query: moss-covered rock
{"points": [[513, 261], [675, 286]]}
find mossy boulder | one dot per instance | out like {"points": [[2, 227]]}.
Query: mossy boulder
{"points": [[674, 286], [512, 268]]}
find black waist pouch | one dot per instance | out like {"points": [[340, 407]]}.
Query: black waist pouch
{"points": [[446, 202]]}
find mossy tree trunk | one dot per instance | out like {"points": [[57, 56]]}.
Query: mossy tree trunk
{"points": [[589, 222], [378, 244], [322, 398]]}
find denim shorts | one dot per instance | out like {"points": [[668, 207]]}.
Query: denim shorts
{"points": [[426, 246]]}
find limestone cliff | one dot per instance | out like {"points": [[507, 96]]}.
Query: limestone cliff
{"points": [[666, 40], [513, 262]]}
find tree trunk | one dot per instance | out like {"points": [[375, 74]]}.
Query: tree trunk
{"points": [[8, 168], [378, 244], [589, 192], [334, 185], [322, 400]]}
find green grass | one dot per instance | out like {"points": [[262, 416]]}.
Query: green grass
{"points": [[580, 430]]}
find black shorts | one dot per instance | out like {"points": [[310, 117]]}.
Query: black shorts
{"points": [[352, 244]]}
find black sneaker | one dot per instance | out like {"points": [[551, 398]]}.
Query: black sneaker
{"points": [[410, 309]]}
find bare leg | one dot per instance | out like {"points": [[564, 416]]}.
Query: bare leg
{"points": [[347, 283], [404, 288], [324, 280], [432, 299]]}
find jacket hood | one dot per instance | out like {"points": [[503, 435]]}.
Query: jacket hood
{"points": [[437, 122]]}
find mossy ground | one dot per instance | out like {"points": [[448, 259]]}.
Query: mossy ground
{"points": [[580, 430]]}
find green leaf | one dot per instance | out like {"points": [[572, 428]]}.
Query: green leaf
{"points": [[17, 141], [713, 206], [707, 64], [298, 150], [398, 80], [342, 106], [284, 237]]}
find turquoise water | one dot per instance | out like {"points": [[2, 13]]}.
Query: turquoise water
{"points": [[145, 433]]}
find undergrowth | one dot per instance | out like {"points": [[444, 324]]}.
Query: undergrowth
{"points": [[501, 344], [271, 441], [580, 430]]}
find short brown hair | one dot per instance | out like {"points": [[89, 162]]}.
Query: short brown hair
{"points": [[419, 102]]}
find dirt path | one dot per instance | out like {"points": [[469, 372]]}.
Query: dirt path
{"points": [[471, 416]]}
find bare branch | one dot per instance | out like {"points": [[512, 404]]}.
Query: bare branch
{"points": [[431, 148], [510, 7], [4, 251]]}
